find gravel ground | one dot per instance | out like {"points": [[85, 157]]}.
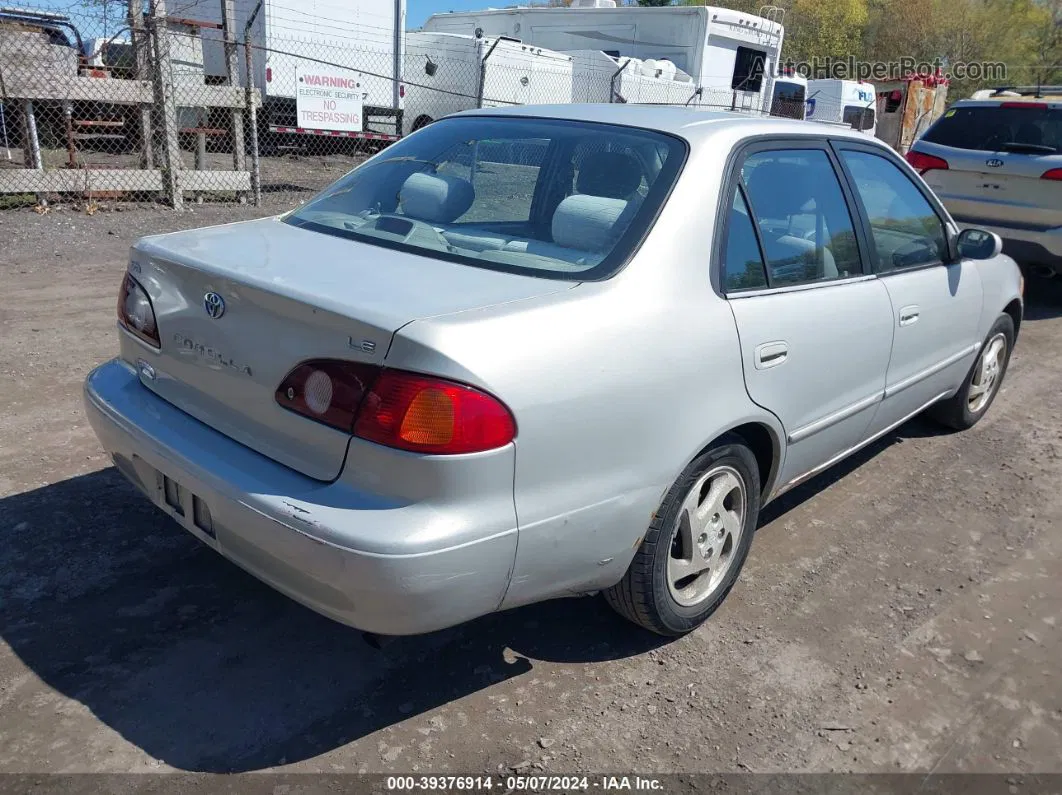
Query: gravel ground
{"points": [[901, 613]]}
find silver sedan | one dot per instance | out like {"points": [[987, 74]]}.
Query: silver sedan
{"points": [[545, 351]]}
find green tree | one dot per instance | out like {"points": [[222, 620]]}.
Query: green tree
{"points": [[654, 2], [834, 29]]}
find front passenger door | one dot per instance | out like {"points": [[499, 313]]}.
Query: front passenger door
{"points": [[936, 304]]}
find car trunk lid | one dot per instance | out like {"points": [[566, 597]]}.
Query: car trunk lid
{"points": [[239, 306]]}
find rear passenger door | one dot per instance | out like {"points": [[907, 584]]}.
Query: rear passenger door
{"points": [[815, 329], [936, 303]]}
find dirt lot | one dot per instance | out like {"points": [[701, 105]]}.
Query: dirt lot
{"points": [[901, 613]]}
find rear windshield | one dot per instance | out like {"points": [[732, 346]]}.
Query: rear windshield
{"points": [[858, 117], [552, 198], [788, 100], [1035, 130]]}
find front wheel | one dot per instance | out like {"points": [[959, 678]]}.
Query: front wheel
{"points": [[693, 552], [971, 402]]}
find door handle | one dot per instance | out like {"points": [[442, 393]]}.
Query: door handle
{"points": [[909, 315], [771, 354]]}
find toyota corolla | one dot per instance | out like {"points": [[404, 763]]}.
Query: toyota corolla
{"points": [[545, 351]]}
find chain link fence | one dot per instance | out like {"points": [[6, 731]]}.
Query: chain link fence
{"points": [[226, 100]]}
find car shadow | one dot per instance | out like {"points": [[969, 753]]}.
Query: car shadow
{"points": [[918, 428], [198, 664], [1043, 298]]}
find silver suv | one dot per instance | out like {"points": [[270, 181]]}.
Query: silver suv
{"points": [[996, 162]]}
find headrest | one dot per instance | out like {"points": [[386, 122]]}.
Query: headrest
{"points": [[436, 198], [586, 222], [613, 174]]}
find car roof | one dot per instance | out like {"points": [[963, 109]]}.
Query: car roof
{"points": [[692, 124], [1053, 100]]}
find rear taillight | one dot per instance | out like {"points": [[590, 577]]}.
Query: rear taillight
{"points": [[269, 74], [922, 162], [135, 312], [1025, 105], [403, 410], [1054, 173], [327, 390], [430, 415]]}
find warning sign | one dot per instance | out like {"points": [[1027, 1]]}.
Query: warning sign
{"points": [[328, 98]]}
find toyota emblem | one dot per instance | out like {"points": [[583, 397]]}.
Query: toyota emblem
{"points": [[214, 305]]}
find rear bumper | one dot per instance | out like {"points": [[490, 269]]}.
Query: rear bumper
{"points": [[288, 530], [1027, 245]]}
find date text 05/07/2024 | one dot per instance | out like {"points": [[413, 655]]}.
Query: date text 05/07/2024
{"points": [[518, 783]]}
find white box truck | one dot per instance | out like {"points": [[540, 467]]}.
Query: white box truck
{"points": [[731, 57], [327, 67]]}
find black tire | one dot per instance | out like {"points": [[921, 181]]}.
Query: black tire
{"points": [[644, 595], [955, 412]]}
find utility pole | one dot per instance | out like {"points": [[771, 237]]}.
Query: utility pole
{"points": [[142, 50]]}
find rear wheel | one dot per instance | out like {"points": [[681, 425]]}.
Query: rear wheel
{"points": [[696, 544], [971, 402]]}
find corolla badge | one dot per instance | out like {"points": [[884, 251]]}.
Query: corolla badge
{"points": [[212, 356], [994, 162], [214, 305]]}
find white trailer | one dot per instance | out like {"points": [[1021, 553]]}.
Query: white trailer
{"points": [[600, 77], [731, 57], [850, 102], [446, 73], [345, 51]]}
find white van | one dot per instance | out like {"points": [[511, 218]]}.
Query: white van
{"points": [[850, 102]]}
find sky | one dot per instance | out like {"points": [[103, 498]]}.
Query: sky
{"points": [[417, 11]]}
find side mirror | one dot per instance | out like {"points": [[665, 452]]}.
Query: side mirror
{"points": [[978, 244]]}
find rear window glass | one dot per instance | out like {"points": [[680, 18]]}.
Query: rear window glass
{"points": [[997, 128], [858, 117], [788, 100], [553, 198]]}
